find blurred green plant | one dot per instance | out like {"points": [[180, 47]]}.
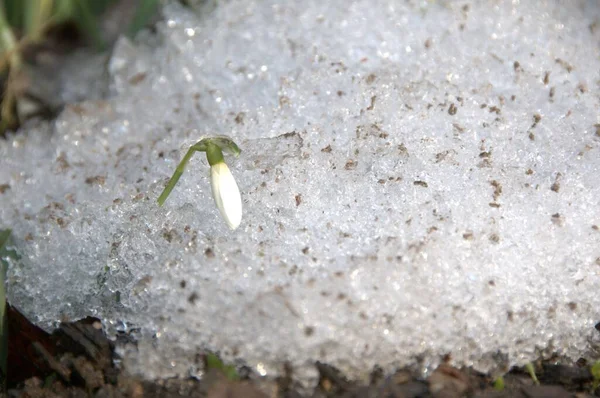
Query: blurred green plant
{"points": [[7, 254], [499, 383], [213, 362], [595, 370], [531, 370], [144, 13], [27, 22]]}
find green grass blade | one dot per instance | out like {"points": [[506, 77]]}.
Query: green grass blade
{"points": [[88, 23], [595, 370], [29, 15], [214, 362], [37, 14], [5, 255], [499, 383], [530, 369], [144, 13], [15, 13], [8, 42], [64, 10]]}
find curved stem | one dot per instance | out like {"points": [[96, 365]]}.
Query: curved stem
{"points": [[214, 154], [178, 172]]}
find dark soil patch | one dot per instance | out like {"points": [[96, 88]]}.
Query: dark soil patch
{"points": [[77, 360]]}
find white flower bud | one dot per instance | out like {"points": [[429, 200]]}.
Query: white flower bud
{"points": [[226, 194]]}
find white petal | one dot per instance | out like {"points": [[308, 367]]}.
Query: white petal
{"points": [[226, 194]]}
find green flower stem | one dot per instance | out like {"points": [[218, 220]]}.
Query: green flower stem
{"points": [[179, 171]]}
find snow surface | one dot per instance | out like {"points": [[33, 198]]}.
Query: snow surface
{"points": [[419, 178]]}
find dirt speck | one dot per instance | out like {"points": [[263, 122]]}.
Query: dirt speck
{"points": [[568, 67], [137, 78], [193, 297], [372, 105], [557, 219], [283, 101], [497, 189], [536, 119], [96, 180], [517, 66], [441, 156], [239, 118], [555, 187], [169, 235], [452, 109], [458, 127], [402, 150]]}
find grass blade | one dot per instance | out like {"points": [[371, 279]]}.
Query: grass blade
{"points": [[88, 22], [5, 255], [145, 11]]}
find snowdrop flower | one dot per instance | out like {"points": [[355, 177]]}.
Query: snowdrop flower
{"points": [[226, 194], [224, 188]]}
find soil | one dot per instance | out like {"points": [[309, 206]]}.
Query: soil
{"points": [[78, 360]]}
